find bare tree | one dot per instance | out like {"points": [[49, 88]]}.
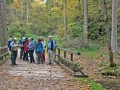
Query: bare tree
{"points": [[114, 26], [65, 19], [27, 10], [85, 35], [108, 30], [3, 23]]}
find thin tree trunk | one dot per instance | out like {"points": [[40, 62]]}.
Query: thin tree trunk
{"points": [[65, 20], [27, 7], [3, 23], [21, 19], [108, 32], [114, 26], [21, 10], [85, 35]]}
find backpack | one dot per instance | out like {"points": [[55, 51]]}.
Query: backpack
{"points": [[9, 46], [39, 47]]}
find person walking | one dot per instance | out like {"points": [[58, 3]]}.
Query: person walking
{"points": [[44, 46], [25, 56], [39, 50], [31, 48], [51, 49], [14, 50]]}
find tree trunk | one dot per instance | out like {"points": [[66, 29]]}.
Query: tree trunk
{"points": [[65, 20], [21, 19], [27, 10], [85, 35], [21, 10], [108, 32], [3, 24], [114, 26]]}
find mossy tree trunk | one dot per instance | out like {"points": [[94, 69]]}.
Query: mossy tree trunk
{"points": [[108, 30]]}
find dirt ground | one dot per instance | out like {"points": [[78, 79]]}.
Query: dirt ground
{"points": [[91, 68], [27, 76]]}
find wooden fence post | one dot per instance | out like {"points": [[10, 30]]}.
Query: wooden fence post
{"points": [[71, 56], [58, 54], [64, 54]]}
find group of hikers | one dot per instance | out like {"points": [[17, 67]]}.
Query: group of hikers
{"points": [[29, 46]]}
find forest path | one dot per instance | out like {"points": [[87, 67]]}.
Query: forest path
{"points": [[27, 76]]}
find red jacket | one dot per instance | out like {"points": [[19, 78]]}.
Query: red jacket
{"points": [[26, 46]]}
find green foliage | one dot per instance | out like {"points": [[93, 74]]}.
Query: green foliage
{"points": [[13, 29], [96, 86], [105, 69], [87, 82], [75, 29], [9, 1], [91, 47]]}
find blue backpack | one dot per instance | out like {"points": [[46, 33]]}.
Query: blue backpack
{"points": [[39, 47]]}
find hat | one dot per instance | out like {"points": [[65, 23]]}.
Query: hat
{"points": [[15, 38], [41, 37], [50, 36], [23, 37]]}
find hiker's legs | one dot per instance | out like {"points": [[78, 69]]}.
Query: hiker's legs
{"points": [[49, 56], [24, 56], [21, 53], [38, 58], [52, 57], [43, 56], [27, 55], [30, 53], [14, 55]]}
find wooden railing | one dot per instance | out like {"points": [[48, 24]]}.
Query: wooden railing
{"points": [[65, 58], [3, 53]]}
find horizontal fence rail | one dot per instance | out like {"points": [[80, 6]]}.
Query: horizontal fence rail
{"points": [[66, 60], [3, 53]]}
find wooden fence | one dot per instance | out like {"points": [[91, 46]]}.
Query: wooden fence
{"points": [[69, 64], [3, 54]]}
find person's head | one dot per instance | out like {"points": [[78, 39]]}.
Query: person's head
{"points": [[39, 40], [42, 38], [15, 39], [26, 38], [50, 37], [30, 39]]}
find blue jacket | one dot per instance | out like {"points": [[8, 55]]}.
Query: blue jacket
{"points": [[31, 45], [39, 47]]}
